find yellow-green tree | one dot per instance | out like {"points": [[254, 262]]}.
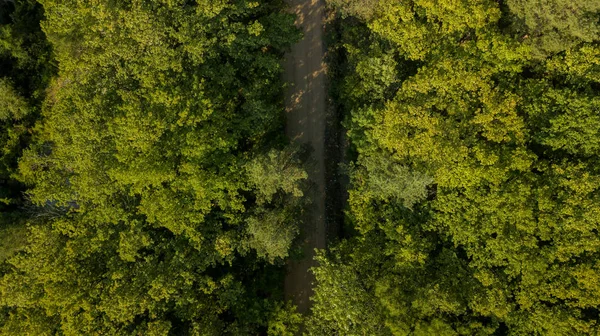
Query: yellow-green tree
{"points": [[504, 237]]}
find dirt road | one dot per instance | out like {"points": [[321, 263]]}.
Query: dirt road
{"points": [[306, 120]]}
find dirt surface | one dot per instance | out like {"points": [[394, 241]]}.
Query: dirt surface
{"points": [[306, 110]]}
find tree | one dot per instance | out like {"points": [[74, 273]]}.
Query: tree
{"points": [[343, 304], [276, 171], [271, 233], [13, 110], [363, 9], [146, 131], [278, 178], [284, 321], [25, 69], [504, 239], [551, 26], [388, 180]]}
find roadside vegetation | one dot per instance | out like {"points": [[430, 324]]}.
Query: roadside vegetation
{"points": [[474, 194], [148, 188]]}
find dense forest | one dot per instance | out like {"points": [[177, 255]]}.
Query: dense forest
{"points": [[147, 186], [474, 196]]}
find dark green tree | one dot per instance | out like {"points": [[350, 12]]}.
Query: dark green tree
{"points": [[141, 200]]}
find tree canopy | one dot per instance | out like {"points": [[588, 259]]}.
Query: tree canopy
{"points": [[493, 137], [142, 196], [147, 188]]}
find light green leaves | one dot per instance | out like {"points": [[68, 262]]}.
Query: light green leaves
{"points": [[274, 172]]}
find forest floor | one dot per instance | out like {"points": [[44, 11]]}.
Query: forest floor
{"points": [[306, 108]]}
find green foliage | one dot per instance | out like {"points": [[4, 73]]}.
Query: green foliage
{"points": [[144, 177], [386, 179], [13, 109], [505, 238], [13, 237], [12, 106], [284, 320], [552, 26], [343, 304], [565, 119], [25, 54], [276, 171], [272, 232], [24, 72], [363, 9], [278, 179]]}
